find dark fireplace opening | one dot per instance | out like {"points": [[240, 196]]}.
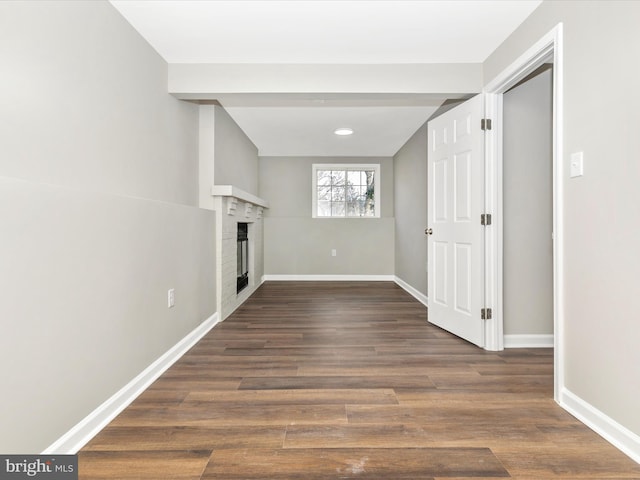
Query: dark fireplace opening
{"points": [[243, 256]]}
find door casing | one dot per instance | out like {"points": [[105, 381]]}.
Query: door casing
{"points": [[549, 47]]}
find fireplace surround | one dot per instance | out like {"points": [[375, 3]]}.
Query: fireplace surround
{"points": [[235, 207]]}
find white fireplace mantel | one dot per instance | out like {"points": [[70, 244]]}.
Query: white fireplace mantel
{"points": [[235, 206], [235, 192]]}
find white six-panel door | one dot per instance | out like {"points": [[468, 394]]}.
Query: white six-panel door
{"points": [[456, 200]]}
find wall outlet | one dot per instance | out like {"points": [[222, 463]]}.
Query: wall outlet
{"points": [[576, 165], [333, 252], [171, 298]]}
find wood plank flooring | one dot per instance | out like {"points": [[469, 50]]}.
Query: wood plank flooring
{"points": [[348, 381]]}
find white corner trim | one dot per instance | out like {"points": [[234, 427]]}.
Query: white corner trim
{"points": [[88, 427], [551, 43], [329, 278], [619, 436], [528, 341], [421, 297]]}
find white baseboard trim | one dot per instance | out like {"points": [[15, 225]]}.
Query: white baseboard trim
{"points": [[619, 436], [329, 278], [88, 427], [421, 297], [528, 341]]}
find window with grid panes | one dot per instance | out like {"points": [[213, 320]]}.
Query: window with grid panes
{"points": [[346, 191]]}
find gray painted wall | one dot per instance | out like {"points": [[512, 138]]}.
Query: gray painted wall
{"points": [[236, 157], [226, 155], [296, 244], [410, 201], [602, 208], [528, 207], [95, 160], [80, 86]]}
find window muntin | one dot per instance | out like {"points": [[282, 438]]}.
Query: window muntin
{"points": [[346, 191]]}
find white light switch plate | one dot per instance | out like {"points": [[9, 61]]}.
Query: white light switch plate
{"points": [[576, 165]]}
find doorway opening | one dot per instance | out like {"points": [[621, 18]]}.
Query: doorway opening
{"points": [[527, 193], [547, 50]]}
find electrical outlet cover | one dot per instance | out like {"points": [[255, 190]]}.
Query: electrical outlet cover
{"points": [[576, 165]]}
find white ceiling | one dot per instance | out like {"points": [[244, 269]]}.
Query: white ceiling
{"points": [[326, 31], [308, 131]]}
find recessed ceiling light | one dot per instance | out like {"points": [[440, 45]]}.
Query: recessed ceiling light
{"points": [[343, 131]]}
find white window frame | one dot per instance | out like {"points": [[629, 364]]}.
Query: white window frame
{"points": [[346, 167]]}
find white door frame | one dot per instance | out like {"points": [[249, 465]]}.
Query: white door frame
{"points": [[549, 46]]}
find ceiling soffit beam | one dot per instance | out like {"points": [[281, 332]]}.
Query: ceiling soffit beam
{"points": [[208, 81]]}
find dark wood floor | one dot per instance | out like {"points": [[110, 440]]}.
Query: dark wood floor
{"points": [[348, 380]]}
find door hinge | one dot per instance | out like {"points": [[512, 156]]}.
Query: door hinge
{"points": [[485, 124], [486, 314], [485, 219]]}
